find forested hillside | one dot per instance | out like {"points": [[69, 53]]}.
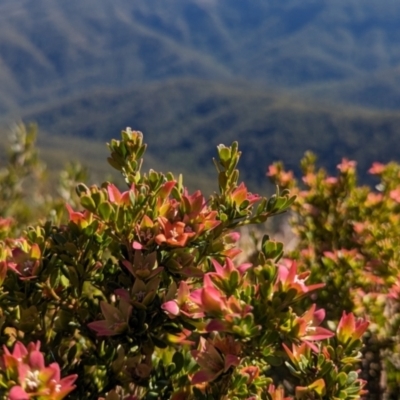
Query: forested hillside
{"points": [[184, 120], [272, 74]]}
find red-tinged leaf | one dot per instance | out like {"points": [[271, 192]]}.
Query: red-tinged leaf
{"points": [[166, 189], [201, 377], [114, 195]]}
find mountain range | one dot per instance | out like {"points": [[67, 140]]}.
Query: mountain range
{"points": [[280, 77]]}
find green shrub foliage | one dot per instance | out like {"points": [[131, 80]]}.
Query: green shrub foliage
{"points": [[348, 239], [137, 296]]}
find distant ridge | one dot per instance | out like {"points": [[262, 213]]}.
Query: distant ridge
{"points": [[184, 119], [50, 50], [281, 77]]}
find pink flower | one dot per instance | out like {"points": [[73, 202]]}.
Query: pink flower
{"points": [[349, 329], [252, 372], [307, 326], [193, 205], [118, 198], [228, 277], [196, 214], [241, 195], [214, 359], [5, 224], [346, 165], [276, 173], [377, 168], [310, 179], [183, 305], [331, 180], [26, 366], [174, 234], [277, 393], [395, 195], [165, 190], [374, 198], [297, 352], [289, 279], [223, 272], [116, 319], [209, 298], [25, 259], [82, 219], [394, 291]]}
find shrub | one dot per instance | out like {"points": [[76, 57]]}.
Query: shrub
{"points": [[348, 239], [137, 296]]}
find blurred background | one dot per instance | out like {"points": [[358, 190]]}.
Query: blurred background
{"points": [[281, 77]]}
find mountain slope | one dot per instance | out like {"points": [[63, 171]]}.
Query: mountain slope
{"points": [[184, 119], [50, 50]]}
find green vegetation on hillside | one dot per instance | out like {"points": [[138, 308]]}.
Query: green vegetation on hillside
{"points": [[194, 115], [50, 50]]}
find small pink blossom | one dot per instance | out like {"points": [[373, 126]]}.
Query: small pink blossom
{"points": [[209, 298], [277, 393], [394, 291], [5, 224], [26, 366], [307, 326], [183, 304], [374, 198], [377, 168], [223, 275], [297, 352], [331, 180], [310, 179], [118, 198], [82, 219], [196, 214], [214, 358], [174, 234], [116, 319], [252, 371], [241, 194], [288, 278], [346, 165], [350, 329], [395, 195], [24, 259]]}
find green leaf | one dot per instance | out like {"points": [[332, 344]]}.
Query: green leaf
{"points": [[71, 354], [115, 164], [274, 360], [88, 203], [222, 181], [224, 153], [73, 277], [105, 210], [179, 361], [159, 343], [352, 377], [341, 378], [81, 189], [141, 151]]}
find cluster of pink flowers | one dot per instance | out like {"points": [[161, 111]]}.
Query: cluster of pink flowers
{"points": [[32, 379]]}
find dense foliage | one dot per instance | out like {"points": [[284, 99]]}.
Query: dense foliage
{"points": [[348, 238], [137, 296]]}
